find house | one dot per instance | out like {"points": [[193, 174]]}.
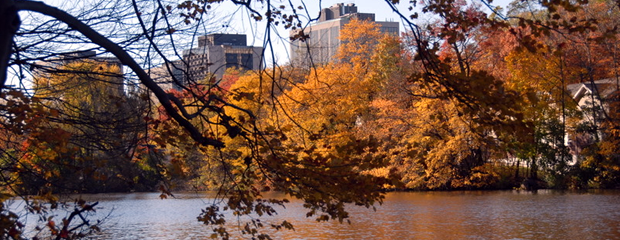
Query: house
{"points": [[593, 100]]}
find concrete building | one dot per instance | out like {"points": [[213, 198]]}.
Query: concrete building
{"points": [[324, 35], [66, 58], [52, 65], [169, 75], [214, 54]]}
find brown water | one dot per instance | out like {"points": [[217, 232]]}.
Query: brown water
{"points": [[410, 215]]}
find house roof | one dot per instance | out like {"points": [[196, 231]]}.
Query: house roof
{"points": [[602, 88]]}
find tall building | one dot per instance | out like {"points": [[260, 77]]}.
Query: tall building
{"points": [[214, 54], [324, 35]]}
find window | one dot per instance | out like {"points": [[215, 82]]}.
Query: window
{"points": [[246, 61]]}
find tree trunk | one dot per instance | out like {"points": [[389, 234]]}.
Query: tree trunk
{"points": [[517, 171], [9, 22]]}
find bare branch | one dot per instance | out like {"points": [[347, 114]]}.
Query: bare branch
{"points": [[124, 57]]}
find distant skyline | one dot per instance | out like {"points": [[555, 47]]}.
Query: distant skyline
{"points": [[236, 20], [240, 24], [379, 8]]}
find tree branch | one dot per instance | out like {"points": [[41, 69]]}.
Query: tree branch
{"points": [[124, 57]]}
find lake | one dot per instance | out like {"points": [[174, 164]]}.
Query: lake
{"points": [[404, 215]]}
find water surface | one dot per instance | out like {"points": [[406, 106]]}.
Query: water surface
{"points": [[404, 215]]}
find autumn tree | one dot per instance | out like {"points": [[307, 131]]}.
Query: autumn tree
{"points": [[39, 159], [464, 114], [142, 34], [333, 99], [87, 99], [598, 51], [563, 56]]}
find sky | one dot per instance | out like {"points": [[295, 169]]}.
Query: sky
{"points": [[239, 23], [236, 20]]}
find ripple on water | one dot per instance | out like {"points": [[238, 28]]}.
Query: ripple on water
{"points": [[407, 215]]}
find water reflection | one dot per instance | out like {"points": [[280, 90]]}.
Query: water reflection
{"points": [[409, 215]]}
